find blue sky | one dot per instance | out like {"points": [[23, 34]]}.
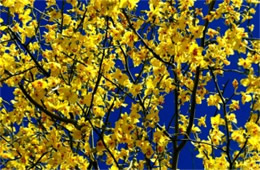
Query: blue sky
{"points": [[187, 156]]}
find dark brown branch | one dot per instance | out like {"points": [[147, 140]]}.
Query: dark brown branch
{"points": [[194, 91], [175, 137], [81, 21], [62, 16], [225, 116], [54, 116], [108, 115], [142, 40], [241, 150], [38, 160], [193, 106], [16, 74], [100, 69], [104, 143], [41, 69]]}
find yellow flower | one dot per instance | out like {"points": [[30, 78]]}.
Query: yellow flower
{"points": [[25, 17], [216, 136], [131, 4], [221, 162], [254, 141], [120, 77], [203, 148], [2, 28], [252, 129], [234, 105], [158, 136], [129, 38], [211, 32], [245, 97], [69, 94], [195, 129], [232, 118], [66, 19], [76, 134], [246, 63], [184, 5], [235, 83], [7, 3], [195, 51], [216, 121], [197, 31], [135, 89], [238, 136], [237, 3], [214, 100], [100, 147], [50, 2], [149, 152], [114, 167], [202, 121]]}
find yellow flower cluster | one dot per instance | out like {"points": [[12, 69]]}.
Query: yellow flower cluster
{"points": [[92, 82]]}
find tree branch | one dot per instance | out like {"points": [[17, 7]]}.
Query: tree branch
{"points": [[54, 116]]}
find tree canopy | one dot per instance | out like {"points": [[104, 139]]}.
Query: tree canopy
{"points": [[91, 80]]}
